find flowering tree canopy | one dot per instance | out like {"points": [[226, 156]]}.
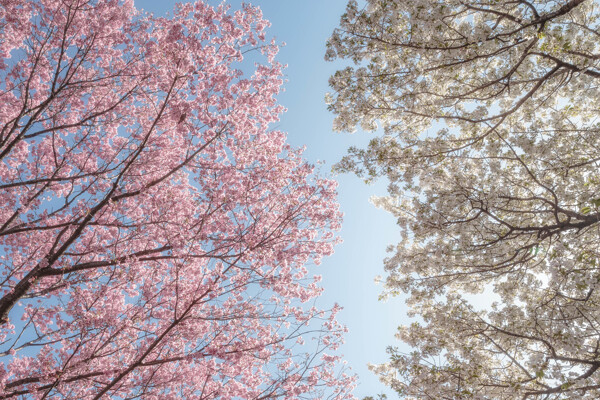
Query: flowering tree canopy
{"points": [[154, 233], [491, 144]]}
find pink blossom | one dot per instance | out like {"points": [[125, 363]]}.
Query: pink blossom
{"points": [[152, 225]]}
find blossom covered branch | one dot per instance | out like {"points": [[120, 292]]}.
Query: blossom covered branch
{"points": [[154, 231]]}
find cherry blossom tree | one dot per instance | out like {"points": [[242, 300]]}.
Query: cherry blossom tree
{"points": [[154, 232], [490, 142]]}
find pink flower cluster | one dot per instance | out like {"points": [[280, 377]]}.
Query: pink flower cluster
{"points": [[153, 231]]}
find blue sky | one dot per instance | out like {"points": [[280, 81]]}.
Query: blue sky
{"points": [[348, 276]]}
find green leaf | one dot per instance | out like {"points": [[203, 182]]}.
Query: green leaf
{"points": [[540, 374], [586, 210]]}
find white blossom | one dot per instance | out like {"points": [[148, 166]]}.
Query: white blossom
{"points": [[491, 145]]}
